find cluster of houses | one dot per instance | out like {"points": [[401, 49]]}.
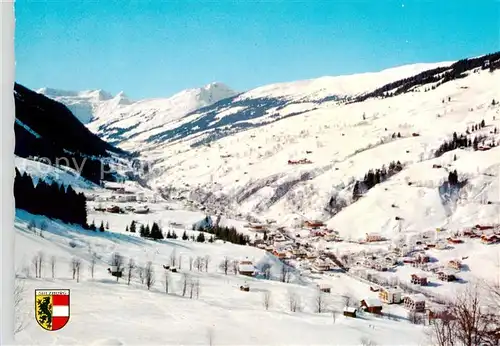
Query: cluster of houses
{"points": [[393, 295], [114, 209], [487, 234]]}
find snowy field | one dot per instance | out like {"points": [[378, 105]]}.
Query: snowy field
{"points": [[106, 312]]}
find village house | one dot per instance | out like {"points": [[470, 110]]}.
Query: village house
{"points": [[281, 254], [350, 312], [320, 265], [454, 241], [371, 305], [373, 237], [313, 224], [380, 266], [324, 288], [419, 279], [415, 303], [446, 275], [246, 268], [455, 264], [391, 295], [490, 239]]}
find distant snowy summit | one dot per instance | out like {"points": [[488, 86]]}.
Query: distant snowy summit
{"points": [[85, 104], [93, 105]]}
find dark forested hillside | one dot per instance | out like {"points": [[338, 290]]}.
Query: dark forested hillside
{"points": [[46, 128], [436, 76]]}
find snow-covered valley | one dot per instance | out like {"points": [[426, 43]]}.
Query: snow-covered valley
{"points": [[346, 195]]}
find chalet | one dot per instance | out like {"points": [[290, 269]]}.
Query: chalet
{"points": [[418, 279], [380, 266], [141, 210], [113, 209], [408, 260], [373, 306], [490, 239], [246, 268], [320, 265], [245, 288], [415, 302], [324, 288], [313, 224], [454, 241], [258, 228], [350, 312], [372, 237], [446, 275], [483, 227], [421, 258], [455, 264], [281, 254], [391, 295], [113, 186]]}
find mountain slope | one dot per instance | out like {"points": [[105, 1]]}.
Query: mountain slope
{"points": [[117, 119], [248, 172]]}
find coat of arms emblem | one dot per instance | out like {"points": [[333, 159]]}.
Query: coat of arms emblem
{"points": [[52, 308]]}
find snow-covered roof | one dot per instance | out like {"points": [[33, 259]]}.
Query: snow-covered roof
{"points": [[417, 298], [373, 302], [349, 309], [246, 268]]}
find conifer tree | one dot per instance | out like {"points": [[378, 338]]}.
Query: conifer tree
{"points": [[132, 227], [184, 236], [101, 227]]}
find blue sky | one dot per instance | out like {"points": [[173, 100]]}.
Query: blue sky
{"points": [[157, 48]]}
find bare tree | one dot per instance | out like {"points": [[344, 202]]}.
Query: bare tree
{"points": [[32, 226], [197, 288], [334, 315], [234, 267], [43, 227], [149, 275], [415, 318], [224, 265], [185, 282], [180, 261], [130, 270], [117, 262], [364, 341], [266, 299], [78, 267], [35, 261], [53, 260], [173, 258], [319, 302], [285, 273], [41, 258], [466, 322], [198, 263], [266, 271], [166, 281], [348, 299], [140, 273], [210, 336], [192, 285], [21, 320], [206, 262], [191, 259], [93, 261], [293, 301]]}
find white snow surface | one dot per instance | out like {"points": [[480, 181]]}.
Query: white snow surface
{"points": [[107, 312]]}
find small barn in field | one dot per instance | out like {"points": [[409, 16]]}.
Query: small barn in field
{"points": [[350, 312]]}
